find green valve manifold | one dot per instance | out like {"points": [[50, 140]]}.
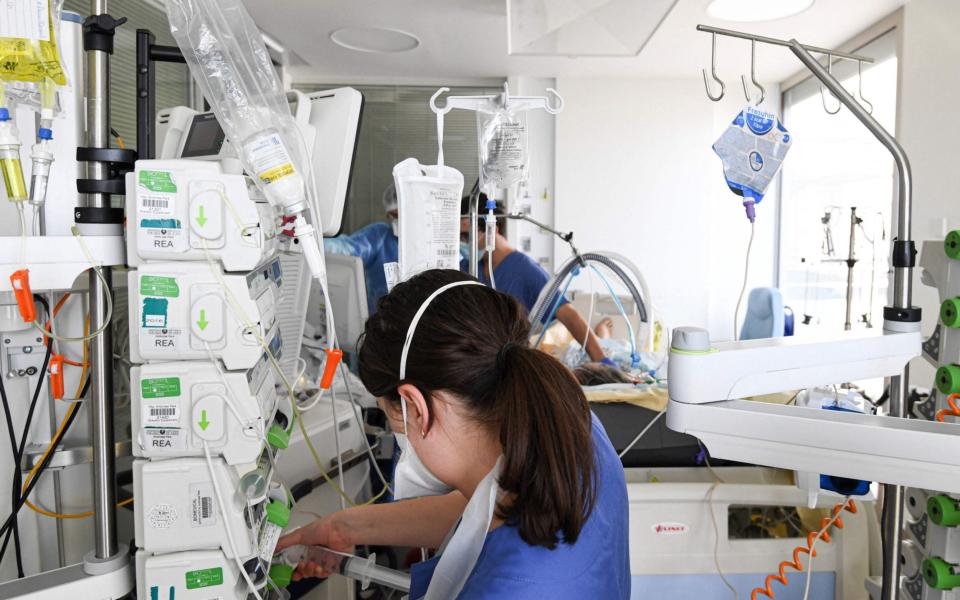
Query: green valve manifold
{"points": [[951, 244], [281, 575], [943, 510], [278, 513], [939, 574], [948, 379], [950, 313]]}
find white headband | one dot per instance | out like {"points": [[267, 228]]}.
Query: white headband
{"points": [[416, 319]]}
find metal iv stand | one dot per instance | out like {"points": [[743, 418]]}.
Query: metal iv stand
{"points": [[903, 260]]}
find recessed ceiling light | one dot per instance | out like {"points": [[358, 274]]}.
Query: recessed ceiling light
{"points": [[752, 11], [374, 39]]}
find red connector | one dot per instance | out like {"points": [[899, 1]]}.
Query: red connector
{"points": [[56, 376], [330, 368], [20, 281]]}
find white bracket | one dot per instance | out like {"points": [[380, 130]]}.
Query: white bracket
{"points": [[707, 380], [55, 261], [505, 100]]}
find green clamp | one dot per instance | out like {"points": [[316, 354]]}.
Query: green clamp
{"points": [[939, 574], [948, 379], [951, 244], [943, 511], [278, 437], [950, 313], [281, 575], [278, 513]]}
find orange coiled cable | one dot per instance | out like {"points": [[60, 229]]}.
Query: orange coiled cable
{"points": [[953, 410], [812, 537]]}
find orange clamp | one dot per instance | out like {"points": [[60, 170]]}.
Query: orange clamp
{"points": [[330, 368], [56, 376], [20, 282]]}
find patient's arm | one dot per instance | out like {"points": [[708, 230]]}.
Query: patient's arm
{"points": [[578, 328]]}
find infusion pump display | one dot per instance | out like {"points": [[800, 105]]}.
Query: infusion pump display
{"points": [[204, 138]]}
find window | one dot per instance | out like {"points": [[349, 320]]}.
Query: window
{"points": [[397, 123], [835, 165], [173, 80]]}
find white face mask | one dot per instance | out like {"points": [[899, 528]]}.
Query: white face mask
{"points": [[395, 227], [412, 478]]}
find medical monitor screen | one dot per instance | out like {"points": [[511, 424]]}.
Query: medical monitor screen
{"points": [[205, 137]]}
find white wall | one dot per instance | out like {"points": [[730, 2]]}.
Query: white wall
{"points": [[636, 174], [928, 128]]}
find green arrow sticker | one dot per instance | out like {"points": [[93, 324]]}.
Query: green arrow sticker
{"points": [[203, 322], [201, 218], [204, 423]]}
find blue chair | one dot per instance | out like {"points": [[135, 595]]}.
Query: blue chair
{"points": [[766, 316]]}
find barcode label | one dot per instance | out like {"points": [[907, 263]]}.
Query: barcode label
{"points": [[156, 203], [202, 513], [448, 251], [161, 414]]}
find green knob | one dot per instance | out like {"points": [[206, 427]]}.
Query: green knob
{"points": [[952, 244], [943, 511], [950, 313], [278, 513], [281, 575], [948, 379], [278, 437], [939, 574]]}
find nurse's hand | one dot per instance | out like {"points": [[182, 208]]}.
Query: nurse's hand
{"points": [[328, 531]]}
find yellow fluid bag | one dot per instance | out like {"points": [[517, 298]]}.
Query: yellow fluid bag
{"points": [[28, 42]]}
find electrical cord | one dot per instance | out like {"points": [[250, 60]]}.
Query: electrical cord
{"points": [[743, 289], [16, 467], [641, 434]]}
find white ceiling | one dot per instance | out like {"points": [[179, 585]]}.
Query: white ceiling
{"points": [[466, 40]]}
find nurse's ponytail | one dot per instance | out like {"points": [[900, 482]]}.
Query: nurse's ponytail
{"points": [[472, 341], [545, 429]]}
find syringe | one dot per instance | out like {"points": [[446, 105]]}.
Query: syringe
{"points": [[362, 569]]}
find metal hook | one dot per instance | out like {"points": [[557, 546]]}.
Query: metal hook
{"points": [[823, 97], [433, 102], [860, 88], [753, 76], [713, 73]]}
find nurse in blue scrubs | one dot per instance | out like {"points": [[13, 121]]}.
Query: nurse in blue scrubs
{"points": [[500, 448], [376, 244]]}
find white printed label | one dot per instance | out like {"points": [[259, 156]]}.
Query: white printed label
{"points": [[391, 271], [25, 19], [203, 512], [156, 204], [164, 439], [162, 516], [158, 341], [268, 541], [269, 158], [670, 528], [161, 414]]}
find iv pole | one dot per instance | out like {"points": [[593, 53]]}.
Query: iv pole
{"points": [[902, 313]]}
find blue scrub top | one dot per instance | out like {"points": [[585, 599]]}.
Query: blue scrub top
{"points": [[596, 566], [375, 244], [517, 275]]}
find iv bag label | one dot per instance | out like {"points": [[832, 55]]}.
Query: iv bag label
{"points": [[164, 438], [269, 158], [391, 272], [152, 285], [204, 578], [28, 20], [160, 387], [157, 181], [162, 516], [268, 541], [202, 510]]}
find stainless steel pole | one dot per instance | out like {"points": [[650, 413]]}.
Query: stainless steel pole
{"points": [[902, 298], [851, 261], [474, 224], [101, 347]]}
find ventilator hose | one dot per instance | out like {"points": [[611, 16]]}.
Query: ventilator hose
{"points": [[953, 410], [609, 260], [812, 537]]}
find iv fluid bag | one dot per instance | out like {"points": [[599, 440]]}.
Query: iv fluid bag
{"points": [[28, 41], [227, 58], [752, 150]]}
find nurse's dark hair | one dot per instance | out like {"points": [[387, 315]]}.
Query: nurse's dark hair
{"points": [[473, 342]]}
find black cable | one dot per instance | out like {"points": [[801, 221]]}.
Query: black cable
{"points": [[11, 519], [16, 466]]}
